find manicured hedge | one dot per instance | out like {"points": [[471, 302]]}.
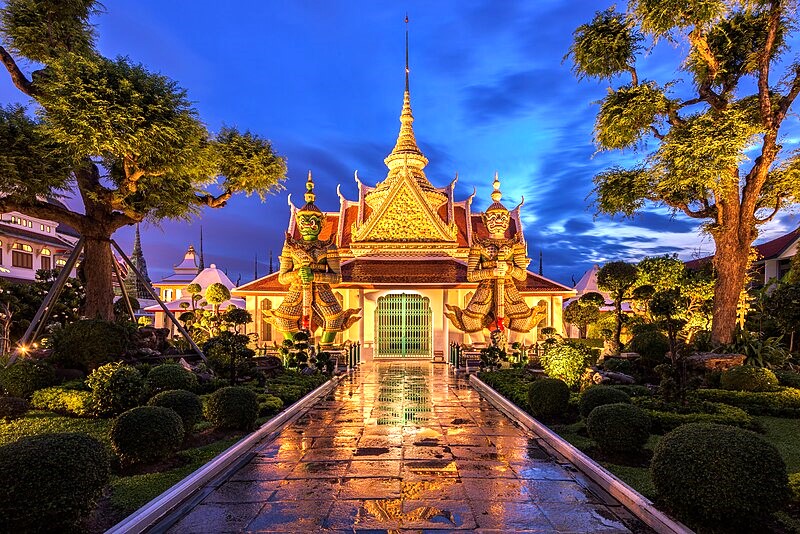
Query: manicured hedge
{"points": [[116, 387], [24, 377], [666, 417], [146, 433], [782, 403], [170, 376], [233, 407], [65, 401], [50, 482], [717, 475], [185, 403], [619, 428], [513, 384], [548, 397], [12, 408], [748, 378], [788, 378], [596, 396]]}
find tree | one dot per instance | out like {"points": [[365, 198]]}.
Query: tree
{"points": [[619, 279], [216, 294], [127, 141], [698, 131], [581, 313]]}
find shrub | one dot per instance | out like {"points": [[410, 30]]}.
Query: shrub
{"points": [[146, 433], [748, 378], [548, 397], [185, 403], [13, 408], [715, 474], [228, 354], [619, 365], [596, 396], [26, 376], [651, 345], [116, 387], [513, 384], [566, 361], [50, 481], [788, 378], [782, 403], [269, 405], [61, 399], [89, 343], [288, 393], [232, 407], [666, 416], [633, 390], [169, 376], [794, 487], [619, 428]]}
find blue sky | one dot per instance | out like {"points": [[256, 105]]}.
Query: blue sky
{"points": [[323, 80]]}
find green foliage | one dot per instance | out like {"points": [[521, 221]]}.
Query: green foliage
{"points": [[627, 114], [666, 416], [90, 343], [146, 433], [217, 293], [784, 402], [232, 407], [548, 398], [619, 279], [51, 482], [748, 378], [24, 377], [36, 423], [228, 354], [237, 316], [13, 408], [794, 487], [651, 345], [788, 378], [42, 31], [169, 376], [718, 475], [662, 18], [581, 313], [513, 384], [596, 396], [185, 403], [269, 405], [116, 387], [491, 357], [605, 47], [65, 401], [783, 305], [566, 361], [618, 428]]}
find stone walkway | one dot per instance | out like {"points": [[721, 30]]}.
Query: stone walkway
{"points": [[406, 447]]}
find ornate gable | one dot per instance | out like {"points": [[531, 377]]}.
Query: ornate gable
{"points": [[405, 215]]}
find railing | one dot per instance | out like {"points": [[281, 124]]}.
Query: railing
{"points": [[460, 356]]}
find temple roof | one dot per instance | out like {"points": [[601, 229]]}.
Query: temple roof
{"points": [[366, 273]]}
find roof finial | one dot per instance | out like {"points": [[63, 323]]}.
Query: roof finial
{"points": [[202, 255], [407, 69], [310, 196], [496, 196]]}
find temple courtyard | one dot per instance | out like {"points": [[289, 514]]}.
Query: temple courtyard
{"points": [[405, 446]]}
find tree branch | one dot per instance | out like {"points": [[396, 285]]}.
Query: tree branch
{"points": [[786, 101], [656, 133], [764, 100], [775, 211], [20, 81], [212, 201], [43, 210], [634, 75], [705, 213]]}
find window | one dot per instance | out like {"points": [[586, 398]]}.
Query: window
{"points": [[1, 253], [45, 228], [23, 247], [47, 261], [266, 324], [21, 222], [167, 295], [60, 262], [21, 259]]}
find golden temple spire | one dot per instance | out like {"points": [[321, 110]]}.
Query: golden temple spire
{"points": [[406, 145], [309, 197], [496, 195]]}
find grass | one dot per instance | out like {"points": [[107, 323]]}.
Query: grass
{"points": [[132, 492], [38, 422], [785, 435]]}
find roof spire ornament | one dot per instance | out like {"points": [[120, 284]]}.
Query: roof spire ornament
{"points": [[496, 195], [309, 197], [407, 69]]}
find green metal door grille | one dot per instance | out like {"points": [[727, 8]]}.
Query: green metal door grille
{"points": [[403, 326]]}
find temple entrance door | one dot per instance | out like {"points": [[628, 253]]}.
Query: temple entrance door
{"points": [[403, 326]]}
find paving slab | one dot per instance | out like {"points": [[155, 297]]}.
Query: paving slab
{"points": [[406, 447]]}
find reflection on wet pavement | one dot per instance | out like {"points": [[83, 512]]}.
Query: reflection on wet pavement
{"points": [[406, 447]]}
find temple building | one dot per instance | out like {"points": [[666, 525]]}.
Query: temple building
{"points": [[133, 285], [403, 245]]}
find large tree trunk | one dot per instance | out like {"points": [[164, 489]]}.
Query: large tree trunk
{"points": [[98, 269], [730, 261]]}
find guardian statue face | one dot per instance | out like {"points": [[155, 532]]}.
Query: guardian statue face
{"points": [[310, 225], [497, 221]]}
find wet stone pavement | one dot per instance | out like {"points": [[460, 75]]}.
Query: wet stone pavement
{"points": [[406, 447]]}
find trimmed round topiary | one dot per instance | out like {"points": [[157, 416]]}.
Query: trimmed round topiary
{"points": [[548, 397], [232, 407], [170, 376], [13, 408], [748, 378], [619, 428], [651, 344], [596, 396], [269, 405], [116, 387], [185, 403], [50, 482], [26, 376], [714, 474], [146, 434]]}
